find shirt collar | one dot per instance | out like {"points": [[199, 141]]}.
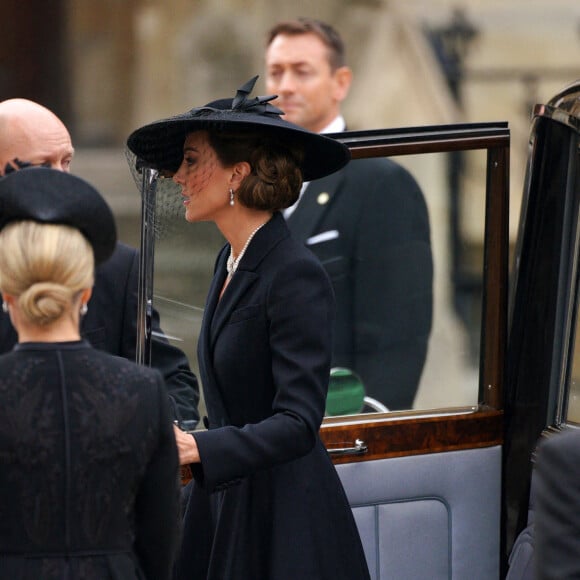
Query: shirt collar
{"points": [[336, 126]]}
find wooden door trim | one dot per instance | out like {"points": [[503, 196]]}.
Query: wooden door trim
{"points": [[414, 433]]}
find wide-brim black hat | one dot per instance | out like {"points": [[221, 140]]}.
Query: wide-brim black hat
{"points": [[159, 145], [49, 196]]}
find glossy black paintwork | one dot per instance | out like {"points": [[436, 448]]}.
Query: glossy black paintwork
{"points": [[541, 306]]}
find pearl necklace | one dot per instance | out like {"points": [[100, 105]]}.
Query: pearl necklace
{"points": [[232, 263]]}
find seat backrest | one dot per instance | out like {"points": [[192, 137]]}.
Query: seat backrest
{"points": [[433, 516]]}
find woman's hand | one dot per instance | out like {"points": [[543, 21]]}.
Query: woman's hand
{"points": [[186, 447]]}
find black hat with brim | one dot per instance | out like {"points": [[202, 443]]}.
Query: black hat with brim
{"points": [[159, 145], [49, 196]]}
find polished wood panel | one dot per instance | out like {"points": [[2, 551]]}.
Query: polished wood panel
{"points": [[414, 434], [428, 139], [185, 474], [496, 280]]}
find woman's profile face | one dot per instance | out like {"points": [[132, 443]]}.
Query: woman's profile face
{"points": [[203, 179]]}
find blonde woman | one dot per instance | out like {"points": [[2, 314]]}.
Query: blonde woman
{"points": [[88, 464]]}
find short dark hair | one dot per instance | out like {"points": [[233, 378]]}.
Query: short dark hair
{"points": [[324, 31], [275, 179]]}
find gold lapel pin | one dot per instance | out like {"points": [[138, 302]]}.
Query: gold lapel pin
{"points": [[323, 198]]}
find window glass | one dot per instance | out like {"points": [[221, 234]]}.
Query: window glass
{"points": [[453, 186], [184, 260]]}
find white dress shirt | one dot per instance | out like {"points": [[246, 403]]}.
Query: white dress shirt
{"points": [[335, 126]]}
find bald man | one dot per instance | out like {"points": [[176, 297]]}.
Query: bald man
{"points": [[31, 135]]}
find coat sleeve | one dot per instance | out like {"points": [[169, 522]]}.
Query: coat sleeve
{"points": [[157, 503], [299, 316]]}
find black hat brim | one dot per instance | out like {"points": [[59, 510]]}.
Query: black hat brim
{"points": [[49, 196], [160, 144]]}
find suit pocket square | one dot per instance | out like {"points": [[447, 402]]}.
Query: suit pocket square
{"points": [[322, 237]]}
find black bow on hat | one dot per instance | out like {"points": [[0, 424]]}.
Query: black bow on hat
{"points": [[49, 196], [159, 145]]}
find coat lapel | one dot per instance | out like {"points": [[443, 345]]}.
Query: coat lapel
{"points": [[313, 204], [212, 392], [219, 310], [234, 291]]}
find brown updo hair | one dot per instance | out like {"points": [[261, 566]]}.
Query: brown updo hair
{"points": [[45, 266], [275, 179]]}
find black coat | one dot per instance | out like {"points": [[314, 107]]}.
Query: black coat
{"points": [[370, 229], [266, 502], [111, 325], [88, 466]]}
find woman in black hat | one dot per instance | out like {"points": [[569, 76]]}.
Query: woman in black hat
{"points": [[88, 462], [266, 501]]}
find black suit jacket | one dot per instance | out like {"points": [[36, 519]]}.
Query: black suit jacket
{"points": [[111, 325], [88, 466], [368, 224], [557, 507]]}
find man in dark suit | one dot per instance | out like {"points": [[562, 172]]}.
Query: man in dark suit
{"points": [[31, 135], [367, 223], [557, 507]]}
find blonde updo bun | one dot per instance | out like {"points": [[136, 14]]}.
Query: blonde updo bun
{"points": [[45, 302], [45, 266]]}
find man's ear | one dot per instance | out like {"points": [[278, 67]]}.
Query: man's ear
{"points": [[239, 172], [342, 80]]}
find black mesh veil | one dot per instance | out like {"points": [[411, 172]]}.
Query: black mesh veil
{"points": [[168, 209], [176, 263]]}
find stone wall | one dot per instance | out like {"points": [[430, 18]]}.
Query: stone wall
{"points": [[132, 61]]}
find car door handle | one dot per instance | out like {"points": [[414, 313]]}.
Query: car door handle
{"points": [[360, 448]]}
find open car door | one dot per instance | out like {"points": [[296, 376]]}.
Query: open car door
{"points": [[425, 484]]}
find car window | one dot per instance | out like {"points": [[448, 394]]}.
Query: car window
{"points": [[456, 212], [453, 184]]}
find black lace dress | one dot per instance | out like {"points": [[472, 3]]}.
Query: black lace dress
{"points": [[88, 466]]}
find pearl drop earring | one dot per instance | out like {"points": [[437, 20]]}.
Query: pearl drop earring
{"points": [[231, 196]]}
